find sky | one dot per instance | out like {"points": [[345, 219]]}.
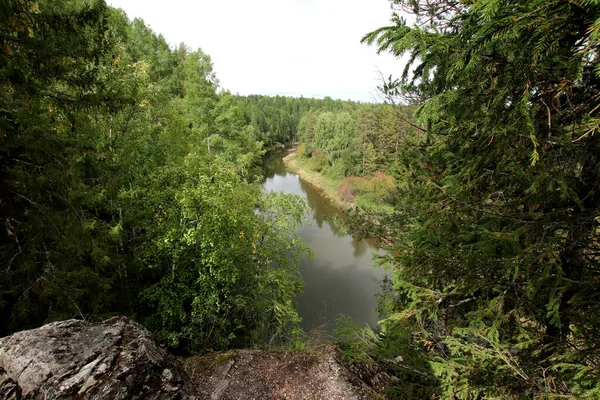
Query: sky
{"points": [[307, 48]]}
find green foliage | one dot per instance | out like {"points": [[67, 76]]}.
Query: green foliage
{"points": [[496, 220], [128, 186], [279, 120], [359, 146], [234, 269], [318, 161], [58, 79], [374, 189], [360, 139], [395, 348], [354, 342]]}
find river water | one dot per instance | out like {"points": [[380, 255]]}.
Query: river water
{"points": [[341, 278]]}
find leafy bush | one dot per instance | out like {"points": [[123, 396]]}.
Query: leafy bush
{"points": [[318, 161], [345, 193], [301, 151], [396, 348], [382, 185], [355, 342], [375, 189], [335, 171]]}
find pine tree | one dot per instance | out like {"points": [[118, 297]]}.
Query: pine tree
{"points": [[496, 228]]}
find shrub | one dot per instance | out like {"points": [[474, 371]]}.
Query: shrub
{"points": [[376, 188], [318, 161], [383, 185], [345, 192], [301, 151], [336, 171]]}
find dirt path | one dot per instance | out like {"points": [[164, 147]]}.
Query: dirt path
{"points": [[260, 374]]}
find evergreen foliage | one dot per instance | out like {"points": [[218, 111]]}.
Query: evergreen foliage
{"points": [[128, 186], [496, 221], [279, 118]]}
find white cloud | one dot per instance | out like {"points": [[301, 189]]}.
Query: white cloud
{"points": [[289, 47]]}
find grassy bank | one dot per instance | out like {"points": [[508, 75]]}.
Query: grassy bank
{"points": [[328, 186]]}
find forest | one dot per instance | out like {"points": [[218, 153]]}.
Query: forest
{"points": [[130, 184]]}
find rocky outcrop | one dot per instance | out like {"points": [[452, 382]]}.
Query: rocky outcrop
{"points": [[115, 359]]}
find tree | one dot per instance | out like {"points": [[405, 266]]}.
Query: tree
{"points": [[306, 127], [200, 94], [228, 271], [496, 227], [112, 201], [58, 75]]}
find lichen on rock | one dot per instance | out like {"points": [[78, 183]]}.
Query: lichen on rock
{"points": [[114, 359]]}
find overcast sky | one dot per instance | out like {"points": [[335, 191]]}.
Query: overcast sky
{"points": [[287, 47]]}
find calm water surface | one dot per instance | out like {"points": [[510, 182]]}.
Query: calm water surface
{"points": [[341, 278]]}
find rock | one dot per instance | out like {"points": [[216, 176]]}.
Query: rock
{"points": [[373, 374], [115, 359]]}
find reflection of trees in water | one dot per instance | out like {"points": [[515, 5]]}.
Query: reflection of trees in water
{"points": [[273, 163], [339, 279], [323, 211], [331, 291], [360, 246]]}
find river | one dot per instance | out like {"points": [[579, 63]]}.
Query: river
{"points": [[341, 278]]}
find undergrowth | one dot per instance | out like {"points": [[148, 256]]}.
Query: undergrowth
{"points": [[394, 348]]}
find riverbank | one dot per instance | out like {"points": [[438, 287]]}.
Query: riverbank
{"points": [[340, 278], [328, 187], [367, 194]]}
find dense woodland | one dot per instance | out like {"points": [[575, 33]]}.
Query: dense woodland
{"points": [[130, 184], [358, 149]]}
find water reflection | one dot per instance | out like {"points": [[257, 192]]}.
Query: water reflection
{"points": [[341, 278]]}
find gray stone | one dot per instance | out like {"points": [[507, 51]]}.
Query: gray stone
{"points": [[115, 359]]}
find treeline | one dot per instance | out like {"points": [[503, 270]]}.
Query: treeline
{"points": [[129, 185], [359, 148], [277, 117]]}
